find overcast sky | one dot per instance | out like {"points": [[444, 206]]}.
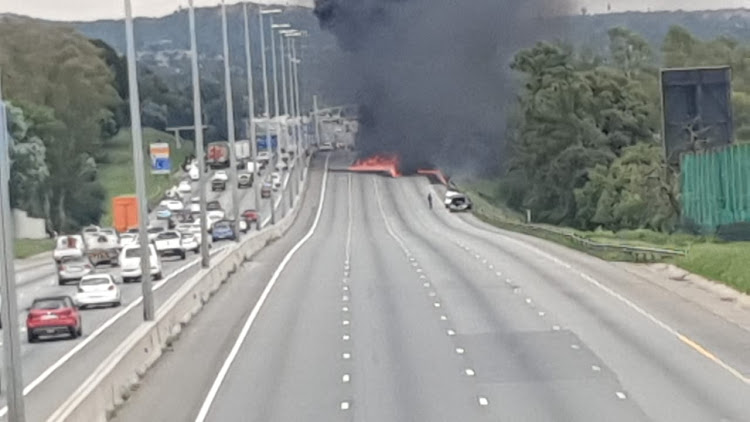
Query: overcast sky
{"points": [[100, 9]]}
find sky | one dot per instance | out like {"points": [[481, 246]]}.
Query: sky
{"points": [[113, 9]]}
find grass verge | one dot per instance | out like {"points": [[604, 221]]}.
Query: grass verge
{"points": [[117, 175], [24, 248], [725, 262]]}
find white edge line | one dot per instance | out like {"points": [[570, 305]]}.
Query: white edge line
{"points": [[203, 413]]}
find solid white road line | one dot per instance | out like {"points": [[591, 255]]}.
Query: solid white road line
{"points": [[203, 413], [96, 333]]}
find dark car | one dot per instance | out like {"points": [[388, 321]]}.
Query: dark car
{"points": [[51, 316], [223, 230], [265, 191], [244, 180], [218, 185]]}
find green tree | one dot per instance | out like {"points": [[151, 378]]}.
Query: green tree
{"points": [[630, 51], [636, 191], [29, 173]]}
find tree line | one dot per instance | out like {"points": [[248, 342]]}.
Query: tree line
{"points": [[584, 140]]}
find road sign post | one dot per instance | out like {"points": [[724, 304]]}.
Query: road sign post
{"points": [[160, 162]]}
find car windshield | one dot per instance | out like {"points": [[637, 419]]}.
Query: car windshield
{"points": [[133, 252], [98, 281], [48, 304], [167, 236], [222, 225], [75, 261], [213, 206]]}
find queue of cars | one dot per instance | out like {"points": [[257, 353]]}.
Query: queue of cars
{"points": [[79, 256]]}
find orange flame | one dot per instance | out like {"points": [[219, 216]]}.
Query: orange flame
{"points": [[378, 163]]}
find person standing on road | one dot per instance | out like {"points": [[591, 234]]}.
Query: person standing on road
{"points": [[429, 199]]}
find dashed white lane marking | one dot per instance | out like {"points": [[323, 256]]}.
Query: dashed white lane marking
{"points": [[345, 298], [460, 350], [443, 318], [345, 322], [477, 256], [507, 280], [499, 274], [451, 333], [528, 300], [419, 270], [436, 304], [345, 309], [206, 406], [620, 395], [541, 313], [575, 346], [344, 405], [556, 328], [346, 356], [492, 267], [345, 337], [432, 294], [483, 401], [469, 372], [345, 288], [422, 277], [345, 378], [595, 368], [426, 284]]}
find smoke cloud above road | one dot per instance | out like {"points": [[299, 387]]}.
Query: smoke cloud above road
{"points": [[431, 76]]}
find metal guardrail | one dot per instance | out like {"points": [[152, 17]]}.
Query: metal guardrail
{"points": [[638, 253]]}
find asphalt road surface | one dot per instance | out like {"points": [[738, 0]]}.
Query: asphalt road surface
{"points": [[390, 311], [53, 368]]}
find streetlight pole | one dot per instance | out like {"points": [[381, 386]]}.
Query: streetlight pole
{"points": [[251, 114], [198, 123], [230, 122], [140, 180], [265, 97], [12, 361], [296, 89]]}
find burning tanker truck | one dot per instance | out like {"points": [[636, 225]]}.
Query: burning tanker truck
{"points": [[454, 200]]}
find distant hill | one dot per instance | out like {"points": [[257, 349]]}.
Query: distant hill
{"points": [[163, 42], [592, 30]]}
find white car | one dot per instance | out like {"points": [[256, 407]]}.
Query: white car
{"points": [[326, 146], [153, 232], [215, 215], [130, 263], [282, 166], [128, 239], [184, 187], [220, 175], [213, 219], [191, 242], [194, 208], [69, 246], [264, 156], [169, 243], [276, 179], [194, 173], [98, 289], [172, 205]]}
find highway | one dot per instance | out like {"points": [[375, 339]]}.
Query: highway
{"points": [[52, 368], [376, 308]]}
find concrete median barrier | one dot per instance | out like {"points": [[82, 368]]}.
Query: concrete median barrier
{"points": [[118, 376]]}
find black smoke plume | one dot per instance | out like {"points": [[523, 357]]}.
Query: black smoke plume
{"points": [[431, 76]]}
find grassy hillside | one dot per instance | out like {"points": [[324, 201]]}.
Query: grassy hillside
{"points": [[118, 177]]}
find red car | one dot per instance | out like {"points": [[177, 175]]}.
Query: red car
{"points": [[250, 216], [51, 316]]}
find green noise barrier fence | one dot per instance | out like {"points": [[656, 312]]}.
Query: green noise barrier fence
{"points": [[715, 187]]}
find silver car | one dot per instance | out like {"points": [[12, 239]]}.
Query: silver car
{"points": [[73, 269]]}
